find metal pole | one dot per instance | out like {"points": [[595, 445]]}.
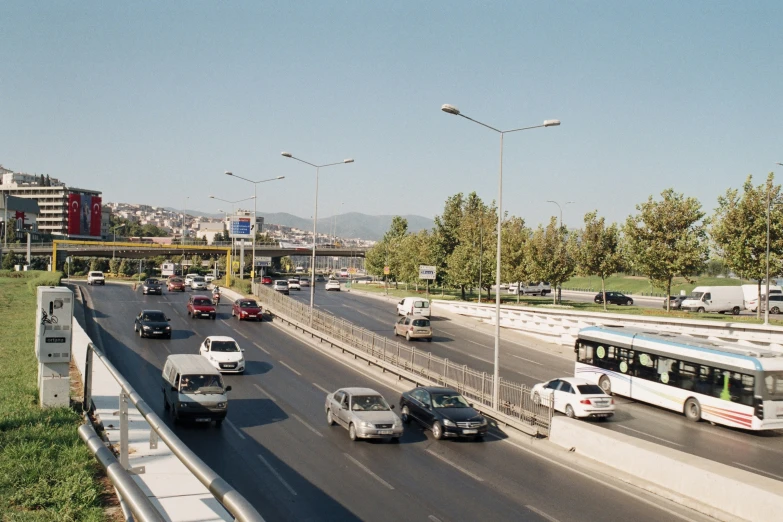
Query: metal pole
{"points": [[495, 390], [255, 232], [766, 297], [312, 264]]}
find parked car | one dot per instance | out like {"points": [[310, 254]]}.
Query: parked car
{"points": [[223, 353], [293, 284], [198, 283], [175, 284], [96, 277], [413, 328], [281, 285], [575, 397], [201, 306], [775, 303], [152, 323], [617, 298], [444, 411], [675, 302], [247, 309], [151, 286], [333, 284], [364, 413]]}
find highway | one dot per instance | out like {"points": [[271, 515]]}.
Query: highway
{"points": [[529, 361], [277, 450]]}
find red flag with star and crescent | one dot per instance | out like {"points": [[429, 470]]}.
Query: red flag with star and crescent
{"points": [[95, 220], [74, 214]]}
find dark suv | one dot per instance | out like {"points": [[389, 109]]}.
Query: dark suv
{"points": [[152, 286], [617, 298], [152, 323]]}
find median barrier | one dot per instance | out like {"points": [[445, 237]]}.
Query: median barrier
{"points": [[715, 489]]}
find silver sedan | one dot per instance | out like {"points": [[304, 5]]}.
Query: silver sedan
{"points": [[364, 413]]}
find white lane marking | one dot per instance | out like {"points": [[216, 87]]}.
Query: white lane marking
{"points": [[369, 471], [264, 392], [284, 364], [740, 464], [321, 388], [623, 490], [433, 518], [541, 513], [243, 335], [261, 348], [276, 474], [647, 435], [528, 360], [297, 417], [236, 430], [455, 466]]}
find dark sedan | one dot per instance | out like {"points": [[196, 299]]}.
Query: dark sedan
{"points": [[151, 286], [444, 411], [675, 302], [617, 298], [152, 323]]}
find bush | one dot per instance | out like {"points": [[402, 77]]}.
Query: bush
{"points": [[43, 279], [241, 285]]}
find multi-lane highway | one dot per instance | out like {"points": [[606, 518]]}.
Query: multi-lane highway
{"points": [[276, 448], [529, 361]]}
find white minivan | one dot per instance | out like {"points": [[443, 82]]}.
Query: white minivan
{"points": [[721, 299], [414, 306]]}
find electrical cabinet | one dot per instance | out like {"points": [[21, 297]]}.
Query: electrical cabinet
{"points": [[54, 316]]}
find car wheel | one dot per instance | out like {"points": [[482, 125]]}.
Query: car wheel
{"points": [[405, 415], [214, 317], [700, 310], [141, 333], [479, 438], [352, 432], [233, 314], [408, 337], [395, 333], [536, 399], [629, 302], [165, 402], [168, 336], [437, 431], [218, 423], [692, 410], [735, 310], [569, 411], [774, 310], [429, 339], [605, 384], [329, 419]]}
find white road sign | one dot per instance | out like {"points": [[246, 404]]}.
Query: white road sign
{"points": [[426, 272]]}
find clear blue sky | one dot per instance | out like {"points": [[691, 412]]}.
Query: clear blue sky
{"points": [[151, 102]]}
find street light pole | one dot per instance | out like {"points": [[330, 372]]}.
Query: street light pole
{"points": [[184, 208], [113, 248], [450, 109], [255, 213], [232, 203], [315, 221], [766, 296], [561, 209]]}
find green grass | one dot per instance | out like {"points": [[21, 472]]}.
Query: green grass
{"points": [[46, 472], [641, 285]]}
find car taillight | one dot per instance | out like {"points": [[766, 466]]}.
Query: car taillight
{"points": [[612, 402], [411, 328], [585, 401]]}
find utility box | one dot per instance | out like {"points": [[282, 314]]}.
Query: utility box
{"points": [[54, 316]]}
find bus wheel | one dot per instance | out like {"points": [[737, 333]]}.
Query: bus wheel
{"points": [[605, 384], [692, 410], [735, 310]]}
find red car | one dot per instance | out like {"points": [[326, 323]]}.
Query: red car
{"points": [[247, 309], [266, 280], [176, 284], [201, 306]]}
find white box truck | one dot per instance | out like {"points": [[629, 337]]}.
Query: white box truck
{"points": [[751, 293], [721, 299]]}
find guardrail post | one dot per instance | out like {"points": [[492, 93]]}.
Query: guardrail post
{"points": [[87, 400], [521, 399], [483, 387], [385, 340], [445, 370], [464, 372], [124, 429], [429, 361]]}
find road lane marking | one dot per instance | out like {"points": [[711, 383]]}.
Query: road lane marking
{"points": [[264, 392], [455, 466], [236, 430], [284, 364], [369, 471], [297, 417], [276, 474], [261, 348], [541, 513], [758, 470], [528, 360], [433, 518], [321, 388], [647, 435], [243, 335]]}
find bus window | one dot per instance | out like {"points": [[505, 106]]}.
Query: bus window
{"points": [[585, 353], [689, 376], [773, 383], [741, 388], [646, 367]]}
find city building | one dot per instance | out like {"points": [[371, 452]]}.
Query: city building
{"points": [[21, 215]]}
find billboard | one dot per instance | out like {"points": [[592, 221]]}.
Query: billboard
{"points": [[84, 215], [240, 227]]}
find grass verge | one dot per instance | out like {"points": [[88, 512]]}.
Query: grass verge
{"points": [[46, 472], [641, 285]]}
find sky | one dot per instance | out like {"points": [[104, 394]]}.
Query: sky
{"points": [[151, 102]]}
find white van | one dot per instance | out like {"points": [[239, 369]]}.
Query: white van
{"points": [[721, 299], [751, 293], [414, 306], [193, 389], [538, 288]]}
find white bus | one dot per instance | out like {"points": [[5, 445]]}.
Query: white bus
{"points": [[736, 386]]}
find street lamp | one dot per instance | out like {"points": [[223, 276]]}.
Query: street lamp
{"points": [[766, 297], [315, 221], [115, 238], [255, 216], [184, 208], [561, 209], [450, 109], [232, 203]]}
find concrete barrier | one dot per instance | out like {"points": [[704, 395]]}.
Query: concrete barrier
{"points": [[717, 490]]}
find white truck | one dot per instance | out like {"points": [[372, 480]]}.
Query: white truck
{"points": [[751, 293], [95, 278], [721, 299], [539, 288]]}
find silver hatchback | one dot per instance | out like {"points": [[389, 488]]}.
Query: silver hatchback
{"points": [[414, 327], [364, 413]]}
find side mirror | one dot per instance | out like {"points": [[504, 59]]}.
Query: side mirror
{"points": [[243, 349], [168, 319], [344, 406], [228, 388], [429, 407], [470, 404], [391, 407]]}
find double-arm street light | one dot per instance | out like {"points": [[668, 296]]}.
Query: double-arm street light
{"points": [[232, 203], [255, 215], [766, 297], [115, 238], [315, 221], [561, 209], [450, 109]]}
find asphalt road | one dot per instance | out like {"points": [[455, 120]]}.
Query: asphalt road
{"points": [[529, 361], [277, 450]]}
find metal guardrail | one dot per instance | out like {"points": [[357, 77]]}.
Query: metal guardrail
{"points": [[230, 498], [516, 404]]}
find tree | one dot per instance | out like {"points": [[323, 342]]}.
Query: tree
{"points": [[550, 253], [114, 267], [393, 239], [667, 238], [286, 265], [446, 234], [127, 267], [472, 262], [739, 231], [9, 260], [598, 252], [514, 263]]}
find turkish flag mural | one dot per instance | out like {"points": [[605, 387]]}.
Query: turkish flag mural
{"points": [[84, 215], [74, 214], [95, 219]]}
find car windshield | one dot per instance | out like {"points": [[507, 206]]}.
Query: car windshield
{"points": [[152, 281], [449, 400], [201, 384], [369, 403], [589, 389], [695, 295], [248, 304], [176, 280], [202, 302], [199, 279], [290, 281], [153, 317], [281, 283], [96, 274], [421, 322], [224, 346]]}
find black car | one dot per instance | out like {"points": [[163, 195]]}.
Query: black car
{"points": [[675, 302], [444, 411], [152, 286], [152, 323], [617, 298]]}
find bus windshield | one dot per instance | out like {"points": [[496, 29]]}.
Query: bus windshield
{"points": [[773, 386]]}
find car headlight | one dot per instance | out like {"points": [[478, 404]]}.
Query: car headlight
{"points": [[367, 425], [146, 327], [168, 328], [183, 404], [397, 423], [483, 421], [221, 405], [447, 422]]}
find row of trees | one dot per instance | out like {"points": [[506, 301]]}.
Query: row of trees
{"points": [[667, 238]]}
